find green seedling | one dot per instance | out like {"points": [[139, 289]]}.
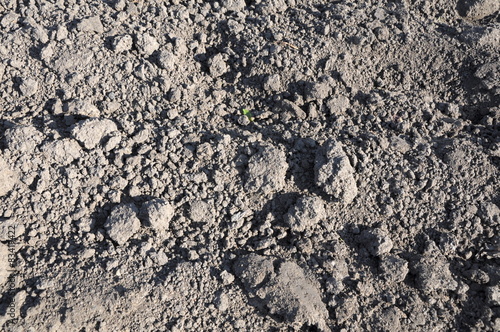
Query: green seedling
{"points": [[248, 114]]}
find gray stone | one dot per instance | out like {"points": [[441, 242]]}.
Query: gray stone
{"points": [[393, 268], [217, 65], [305, 214], [282, 288], [91, 132], [488, 73], [9, 20], [288, 107], [267, 171], [270, 7], [82, 107], [318, 91], [433, 273], [8, 178], [157, 214], [62, 152], [234, 5], [122, 223], [338, 105], [91, 24], [273, 83], [493, 294], [146, 44], [478, 9], [376, 241], [167, 60], [28, 87], [23, 139], [200, 211], [334, 173], [122, 43]]}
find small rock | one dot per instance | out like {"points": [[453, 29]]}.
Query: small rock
{"points": [[388, 319], [122, 223], [217, 65], [273, 83], [91, 132], [267, 171], [4, 264], [9, 225], [283, 289], [23, 139], [376, 241], [318, 91], [222, 301], [146, 44], [433, 273], [488, 73], [305, 214], [491, 213], [288, 107], [338, 105], [8, 178], [234, 5], [200, 211], [193, 255], [167, 60], [393, 268], [122, 43], [9, 20], [493, 294], [81, 107], [61, 33], [28, 87], [334, 173], [253, 269], [91, 24], [62, 152], [47, 52], [271, 7], [227, 278], [478, 9], [157, 214]]}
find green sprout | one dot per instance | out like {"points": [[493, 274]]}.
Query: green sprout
{"points": [[248, 114]]}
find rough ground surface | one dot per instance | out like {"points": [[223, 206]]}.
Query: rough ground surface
{"points": [[360, 192]]}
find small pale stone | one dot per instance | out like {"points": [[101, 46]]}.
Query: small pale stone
{"points": [[122, 223], [28, 87], [91, 132], [91, 24], [146, 44], [8, 178], [122, 43]]}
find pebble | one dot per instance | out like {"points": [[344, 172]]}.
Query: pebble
{"points": [[8, 178], [122, 43], [305, 214], [91, 24], [267, 170], [28, 87], [23, 139], [334, 173], [122, 223], [146, 44], [217, 65], [157, 214], [62, 152], [91, 132]]}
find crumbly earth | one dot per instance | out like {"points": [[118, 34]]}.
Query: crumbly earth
{"points": [[359, 190]]}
